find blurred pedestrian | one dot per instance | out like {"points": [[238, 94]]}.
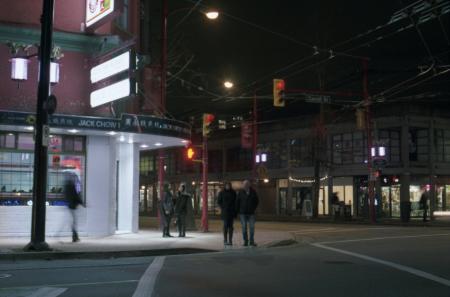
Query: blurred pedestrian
{"points": [[227, 203], [181, 209], [423, 203], [166, 210], [73, 200], [246, 204], [335, 205]]}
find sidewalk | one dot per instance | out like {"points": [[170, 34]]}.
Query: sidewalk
{"points": [[147, 242]]}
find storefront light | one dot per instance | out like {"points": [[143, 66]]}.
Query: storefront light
{"points": [[373, 151], [29, 128], [158, 144], [263, 158], [122, 138], [266, 180], [73, 131], [257, 158], [144, 146], [381, 151], [111, 133], [19, 68]]}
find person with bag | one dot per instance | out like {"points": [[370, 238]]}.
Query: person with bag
{"points": [[227, 203], [166, 210], [181, 209]]}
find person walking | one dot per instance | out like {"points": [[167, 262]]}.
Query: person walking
{"points": [[424, 205], [246, 204], [166, 210], [181, 209], [227, 203], [73, 199]]}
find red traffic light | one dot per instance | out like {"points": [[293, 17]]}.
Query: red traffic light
{"points": [[190, 153], [209, 118], [280, 84]]}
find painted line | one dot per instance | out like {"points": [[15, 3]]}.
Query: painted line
{"points": [[400, 267], [5, 275], [48, 292], [148, 280], [383, 238], [73, 285], [334, 230]]}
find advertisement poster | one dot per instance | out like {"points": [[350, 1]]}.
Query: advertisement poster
{"points": [[97, 10]]}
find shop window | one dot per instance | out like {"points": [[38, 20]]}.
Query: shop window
{"points": [[442, 144], [55, 144], [7, 140], [391, 139], [25, 141], [418, 144], [147, 164]]}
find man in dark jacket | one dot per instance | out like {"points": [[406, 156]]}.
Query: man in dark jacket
{"points": [[181, 209], [423, 203], [73, 199], [166, 210], [246, 204], [227, 203]]}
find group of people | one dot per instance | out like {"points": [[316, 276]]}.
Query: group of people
{"points": [[170, 206], [232, 203], [243, 203]]}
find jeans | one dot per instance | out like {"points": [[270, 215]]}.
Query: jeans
{"points": [[248, 220]]}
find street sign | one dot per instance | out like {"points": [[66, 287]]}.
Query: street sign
{"points": [[45, 135]]}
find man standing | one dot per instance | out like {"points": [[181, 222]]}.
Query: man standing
{"points": [[246, 204], [181, 209], [227, 203], [423, 203], [166, 210]]}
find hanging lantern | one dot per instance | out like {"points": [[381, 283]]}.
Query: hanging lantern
{"points": [[19, 68]]}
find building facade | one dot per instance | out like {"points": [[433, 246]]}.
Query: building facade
{"points": [[100, 145], [417, 141]]}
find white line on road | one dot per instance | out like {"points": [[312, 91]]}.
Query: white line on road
{"points": [[73, 285], [382, 238], [335, 230], [48, 292], [148, 280], [410, 270]]}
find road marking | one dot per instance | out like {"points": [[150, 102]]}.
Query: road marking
{"points": [[382, 238], [73, 285], [334, 230], [410, 270], [48, 292], [148, 280], [5, 275]]}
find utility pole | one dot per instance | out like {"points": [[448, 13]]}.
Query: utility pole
{"points": [[371, 176], [255, 136], [205, 184], [37, 242]]}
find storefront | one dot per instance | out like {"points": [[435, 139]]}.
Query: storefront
{"points": [[104, 155]]}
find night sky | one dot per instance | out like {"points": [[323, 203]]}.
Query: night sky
{"points": [[252, 40]]}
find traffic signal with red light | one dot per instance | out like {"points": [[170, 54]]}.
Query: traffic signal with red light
{"points": [[207, 120], [278, 92]]}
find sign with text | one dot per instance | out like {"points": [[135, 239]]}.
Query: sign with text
{"points": [[97, 10], [247, 135]]}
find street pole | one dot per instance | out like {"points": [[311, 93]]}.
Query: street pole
{"points": [[255, 136], [371, 181], [37, 242], [205, 185]]}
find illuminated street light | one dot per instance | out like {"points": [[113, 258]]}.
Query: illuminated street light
{"points": [[212, 14], [228, 84]]}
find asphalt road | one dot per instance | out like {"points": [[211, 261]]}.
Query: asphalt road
{"points": [[328, 261]]}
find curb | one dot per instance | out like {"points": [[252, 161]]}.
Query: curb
{"points": [[60, 255]]}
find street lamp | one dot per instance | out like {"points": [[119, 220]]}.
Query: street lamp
{"points": [[212, 14], [228, 84]]}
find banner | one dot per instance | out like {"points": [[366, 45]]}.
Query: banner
{"points": [[97, 10], [247, 135]]}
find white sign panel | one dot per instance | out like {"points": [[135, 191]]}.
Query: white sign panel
{"points": [[110, 67], [97, 10], [111, 93]]}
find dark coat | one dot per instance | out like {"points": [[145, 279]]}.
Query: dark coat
{"points": [[181, 203], [72, 196], [246, 204], [227, 203], [167, 204]]}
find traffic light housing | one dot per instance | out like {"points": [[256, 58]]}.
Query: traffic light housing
{"points": [[207, 120], [278, 92], [360, 119]]}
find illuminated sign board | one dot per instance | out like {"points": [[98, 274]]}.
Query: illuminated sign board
{"points": [[97, 10], [110, 67], [111, 93]]}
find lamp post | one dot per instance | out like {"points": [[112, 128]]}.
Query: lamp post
{"points": [[37, 242]]}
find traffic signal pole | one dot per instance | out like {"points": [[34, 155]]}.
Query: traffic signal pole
{"points": [[255, 135], [37, 242], [371, 180], [205, 184]]}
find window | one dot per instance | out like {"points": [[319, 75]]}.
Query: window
{"points": [[391, 139], [7, 140], [25, 141], [349, 148], [442, 145], [418, 144], [239, 159], [276, 154], [301, 152], [147, 164]]}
